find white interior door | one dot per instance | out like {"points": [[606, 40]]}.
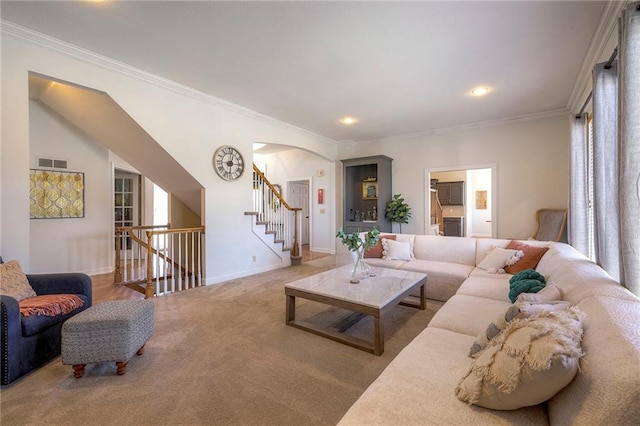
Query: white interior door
{"points": [[299, 196]]}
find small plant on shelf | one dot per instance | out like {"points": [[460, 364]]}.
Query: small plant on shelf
{"points": [[398, 211]]}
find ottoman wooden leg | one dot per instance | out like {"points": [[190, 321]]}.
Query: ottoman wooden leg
{"points": [[78, 370], [140, 351], [122, 367]]}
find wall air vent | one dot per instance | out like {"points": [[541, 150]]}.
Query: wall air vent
{"points": [[52, 163]]}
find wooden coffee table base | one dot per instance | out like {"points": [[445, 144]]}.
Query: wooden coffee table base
{"points": [[377, 346]]}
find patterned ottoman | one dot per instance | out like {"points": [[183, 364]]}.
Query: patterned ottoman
{"points": [[107, 332]]}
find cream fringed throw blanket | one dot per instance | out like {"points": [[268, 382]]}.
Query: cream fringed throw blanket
{"points": [[528, 363], [50, 304]]}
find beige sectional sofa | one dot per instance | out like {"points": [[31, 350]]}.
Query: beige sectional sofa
{"points": [[418, 386]]}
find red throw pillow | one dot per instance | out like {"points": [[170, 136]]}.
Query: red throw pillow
{"points": [[532, 256], [376, 251]]}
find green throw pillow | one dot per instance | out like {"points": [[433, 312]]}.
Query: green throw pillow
{"points": [[527, 281]]}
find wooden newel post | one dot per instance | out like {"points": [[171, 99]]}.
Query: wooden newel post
{"points": [[149, 290], [117, 275], [296, 246], [296, 258]]}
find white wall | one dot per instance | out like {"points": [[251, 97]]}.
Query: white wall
{"points": [[532, 160], [71, 244], [531, 156], [187, 124], [297, 164]]}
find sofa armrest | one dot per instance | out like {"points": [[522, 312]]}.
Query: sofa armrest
{"points": [[11, 333], [71, 283]]}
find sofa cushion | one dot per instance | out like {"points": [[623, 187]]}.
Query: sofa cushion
{"points": [[607, 389], [528, 363], [444, 278], [445, 249], [573, 273], [36, 323], [396, 250], [467, 314], [376, 250], [532, 255], [392, 264], [13, 282], [489, 286], [417, 388]]}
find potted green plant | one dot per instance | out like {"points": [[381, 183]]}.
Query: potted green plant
{"points": [[355, 244], [398, 211]]}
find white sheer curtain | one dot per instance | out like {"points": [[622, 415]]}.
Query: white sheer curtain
{"points": [[629, 146], [605, 168], [578, 224]]}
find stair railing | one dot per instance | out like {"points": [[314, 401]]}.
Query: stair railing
{"points": [[131, 253], [177, 260], [157, 260], [280, 219]]}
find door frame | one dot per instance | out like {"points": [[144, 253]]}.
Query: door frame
{"points": [[494, 192], [309, 181]]}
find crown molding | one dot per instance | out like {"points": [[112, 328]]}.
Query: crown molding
{"points": [[606, 26], [470, 126], [104, 62]]}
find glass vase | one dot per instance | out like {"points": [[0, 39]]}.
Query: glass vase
{"points": [[360, 269]]}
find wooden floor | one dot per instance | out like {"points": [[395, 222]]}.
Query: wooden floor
{"points": [[103, 288]]}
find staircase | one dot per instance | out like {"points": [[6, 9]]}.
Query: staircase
{"points": [[276, 223]]}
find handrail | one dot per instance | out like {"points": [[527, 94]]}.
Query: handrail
{"points": [[267, 200], [274, 190], [177, 230]]}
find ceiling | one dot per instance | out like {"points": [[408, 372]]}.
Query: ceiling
{"points": [[398, 67]]}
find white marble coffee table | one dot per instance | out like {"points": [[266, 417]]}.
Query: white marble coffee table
{"points": [[372, 296]]}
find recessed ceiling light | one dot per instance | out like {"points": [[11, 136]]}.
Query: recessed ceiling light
{"points": [[348, 120], [480, 91]]}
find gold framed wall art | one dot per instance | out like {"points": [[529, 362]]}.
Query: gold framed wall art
{"points": [[481, 200], [55, 195]]}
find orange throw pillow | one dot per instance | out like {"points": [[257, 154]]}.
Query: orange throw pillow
{"points": [[532, 256], [376, 251]]}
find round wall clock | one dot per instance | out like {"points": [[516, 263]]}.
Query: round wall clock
{"points": [[228, 163]]}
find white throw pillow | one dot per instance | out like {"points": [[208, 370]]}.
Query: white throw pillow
{"points": [[528, 363], [395, 250], [496, 259]]}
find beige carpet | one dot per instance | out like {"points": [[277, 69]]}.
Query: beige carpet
{"points": [[221, 355]]}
